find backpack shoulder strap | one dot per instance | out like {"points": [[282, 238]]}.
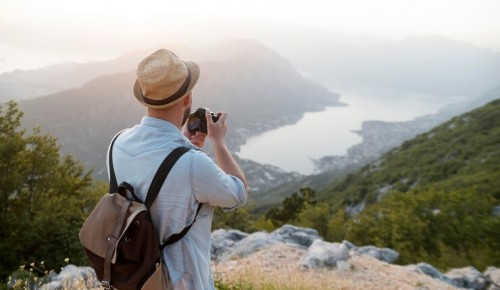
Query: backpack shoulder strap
{"points": [[176, 237], [113, 185], [162, 173], [156, 185]]}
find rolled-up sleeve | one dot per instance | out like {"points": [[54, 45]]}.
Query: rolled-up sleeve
{"points": [[213, 186]]}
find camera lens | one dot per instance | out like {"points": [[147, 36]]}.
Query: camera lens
{"points": [[198, 122], [194, 124]]}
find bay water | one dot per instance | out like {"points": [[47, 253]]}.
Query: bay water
{"points": [[330, 132]]}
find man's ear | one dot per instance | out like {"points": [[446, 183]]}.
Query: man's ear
{"points": [[187, 100]]}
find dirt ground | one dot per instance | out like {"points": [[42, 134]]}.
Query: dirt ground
{"points": [[278, 267]]}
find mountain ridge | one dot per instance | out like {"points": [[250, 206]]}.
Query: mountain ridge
{"points": [[260, 91], [433, 65]]}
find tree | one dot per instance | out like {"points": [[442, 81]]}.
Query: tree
{"points": [[236, 219], [315, 216], [12, 144], [292, 207], [45, 197], [337, 226], [445, 228]]}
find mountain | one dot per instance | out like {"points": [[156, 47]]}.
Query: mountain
{"points": [[257, 87], [462, 153], [431, 65], [28, 84]]}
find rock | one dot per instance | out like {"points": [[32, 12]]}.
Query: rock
{"points": [[229, 244], [344, 266], [223, 240], [73, 277], [296, 235], [468, 277], [324, 254], [383, 254], [492, 274], [248, 245], [350, 246], [432, 272]]}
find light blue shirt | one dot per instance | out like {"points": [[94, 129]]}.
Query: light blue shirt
{"points": [[195, 178]]}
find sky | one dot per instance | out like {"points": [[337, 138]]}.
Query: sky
{"points": [[36, 33]]}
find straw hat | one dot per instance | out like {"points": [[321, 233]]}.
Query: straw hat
{"points": [[163, 79]]}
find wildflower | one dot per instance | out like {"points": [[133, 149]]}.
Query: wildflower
{"points": [[66, 260], [19, 283], [32, 264], [42, 263], [22, 267]]}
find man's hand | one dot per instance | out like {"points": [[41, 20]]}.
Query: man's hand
{"points": [[217, 133], [217, 130], [198, 138]]}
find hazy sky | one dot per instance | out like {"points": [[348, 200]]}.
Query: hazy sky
{"points": [[35, 32]]}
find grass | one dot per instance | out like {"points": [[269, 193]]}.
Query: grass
{"points": [[266, 278]]}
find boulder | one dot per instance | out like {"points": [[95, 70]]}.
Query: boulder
{"points": [[223, 240], [492, 274], [248, 245], [383, 254], [289, 234], [350, 246], [324, 254], [73, 277], [344, 266], [429, 270], [230, 244], [468, 277]]}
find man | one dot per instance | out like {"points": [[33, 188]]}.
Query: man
{"points": [[164, 84]]}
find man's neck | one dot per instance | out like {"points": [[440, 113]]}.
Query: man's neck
{"points": [[170, 115]]}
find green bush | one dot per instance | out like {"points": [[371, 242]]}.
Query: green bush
{"points": [[44, 197]]}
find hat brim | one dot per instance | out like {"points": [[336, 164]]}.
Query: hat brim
{"points": [[195, 75]]}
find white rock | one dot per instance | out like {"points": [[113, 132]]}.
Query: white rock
{"points": [[248, 245], [383, 254], [290, 234], [324, 254]]}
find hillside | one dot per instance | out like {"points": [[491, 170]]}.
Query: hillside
{"points": [[434, 198], [258, 88], [461, 153], [298, 258], [378, 138]]}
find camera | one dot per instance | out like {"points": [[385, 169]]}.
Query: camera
{"points": [[198, 122]]}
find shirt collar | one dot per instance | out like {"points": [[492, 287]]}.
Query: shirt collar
{"points": [[158, 123]]}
